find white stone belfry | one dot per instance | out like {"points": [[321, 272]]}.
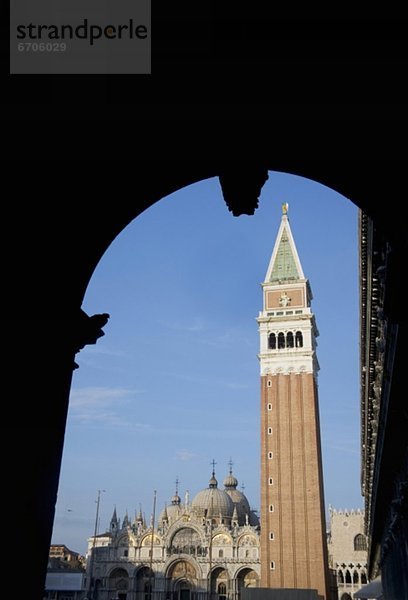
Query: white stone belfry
{"points": [[287, 326]]}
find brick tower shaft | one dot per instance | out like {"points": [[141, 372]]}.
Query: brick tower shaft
{"points": [[293, 528]]}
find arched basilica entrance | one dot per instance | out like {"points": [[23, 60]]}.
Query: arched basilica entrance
{"points": [[182, 590], [183, 581]]}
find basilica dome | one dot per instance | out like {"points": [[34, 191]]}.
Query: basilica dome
{"points": [[172, 512], [238, 498], [213, 502]]}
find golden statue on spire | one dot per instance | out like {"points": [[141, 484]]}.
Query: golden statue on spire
{"points": [[285, 207]]}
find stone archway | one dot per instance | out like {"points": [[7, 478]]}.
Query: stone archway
{"points": [[220, 584], [182, 580], [118, 584], [144, 583], [246, 578], [76, 257], [183, 589]]}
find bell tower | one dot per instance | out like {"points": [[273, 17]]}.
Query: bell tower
{"points": [[293, 529]]}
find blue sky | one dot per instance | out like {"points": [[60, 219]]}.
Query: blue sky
{"points": [[174, 383]]}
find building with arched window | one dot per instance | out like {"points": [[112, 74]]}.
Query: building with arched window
{"points": [[347, 546], [209, 547]]}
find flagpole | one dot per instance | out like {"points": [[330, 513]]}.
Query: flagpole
{"points": [[210, 548], [151, 545], [91, 558]]}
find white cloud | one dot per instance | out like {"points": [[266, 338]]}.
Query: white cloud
{"points": [[101, 396], [191, 327], [185, 455], [97, 405], [229, 338], [103, 350], [237, 386], [96, 357], [350, 448]]}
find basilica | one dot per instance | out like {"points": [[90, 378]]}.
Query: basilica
{"points": [[206, 547]]}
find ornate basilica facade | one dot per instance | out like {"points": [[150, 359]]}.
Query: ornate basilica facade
{"points": [[209, 547]]}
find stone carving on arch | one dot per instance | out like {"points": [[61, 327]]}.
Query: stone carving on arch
{"points": [[122, 584], [142, 572], [193, 535], [247, 540], [117, 572], [87, 330], [220, 539], [178, 526], [185, 568], [247, 577], [147, 540], [124, 540], [119, 578]]}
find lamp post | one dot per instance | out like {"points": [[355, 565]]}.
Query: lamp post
{"points": [[91, 559]]}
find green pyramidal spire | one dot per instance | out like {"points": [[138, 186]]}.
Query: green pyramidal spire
{"points": [[285, 264]]}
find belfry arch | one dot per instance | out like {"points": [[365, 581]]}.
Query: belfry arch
{"points": [[54, 328]]}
